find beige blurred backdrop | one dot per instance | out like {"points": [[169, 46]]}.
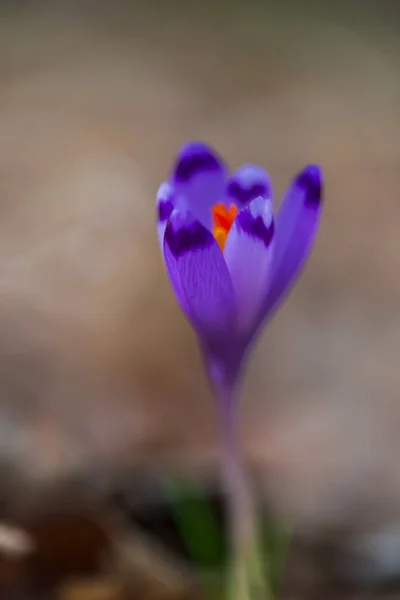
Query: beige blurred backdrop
{"points": [[100, 377]]}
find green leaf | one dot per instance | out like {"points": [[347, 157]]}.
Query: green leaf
{"points": [[201, 533]]}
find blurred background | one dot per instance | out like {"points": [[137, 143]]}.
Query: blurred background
{"points": [[101, 386]]}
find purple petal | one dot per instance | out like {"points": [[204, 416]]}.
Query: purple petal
{"points": [[199, 178], [249, 182], [199, 276], [165, 206], [249, 254], [296, 227]]}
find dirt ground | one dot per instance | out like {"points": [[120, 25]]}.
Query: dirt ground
{"points": [[100, 378]]}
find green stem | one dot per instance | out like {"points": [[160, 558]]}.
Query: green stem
{"points": [[246, 580]]}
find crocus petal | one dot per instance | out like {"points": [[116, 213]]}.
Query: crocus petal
{"points": [[249, 254], [199, 276], [165, 206], [246, 184], [296, 227], [199, 178]]}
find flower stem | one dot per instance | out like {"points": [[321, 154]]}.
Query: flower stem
{"points": [[246, 580]]}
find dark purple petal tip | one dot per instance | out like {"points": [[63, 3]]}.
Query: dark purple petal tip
{"points": [[256, 225], [310, 180], [244, 196], [165, 201], [184, 234], [249, 182], [195, 158], [165, 208]]}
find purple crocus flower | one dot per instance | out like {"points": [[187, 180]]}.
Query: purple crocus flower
{"points": [[229, 261], [231, 264]]}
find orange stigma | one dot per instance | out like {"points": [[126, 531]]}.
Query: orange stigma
{"points": [[223, 221]]}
